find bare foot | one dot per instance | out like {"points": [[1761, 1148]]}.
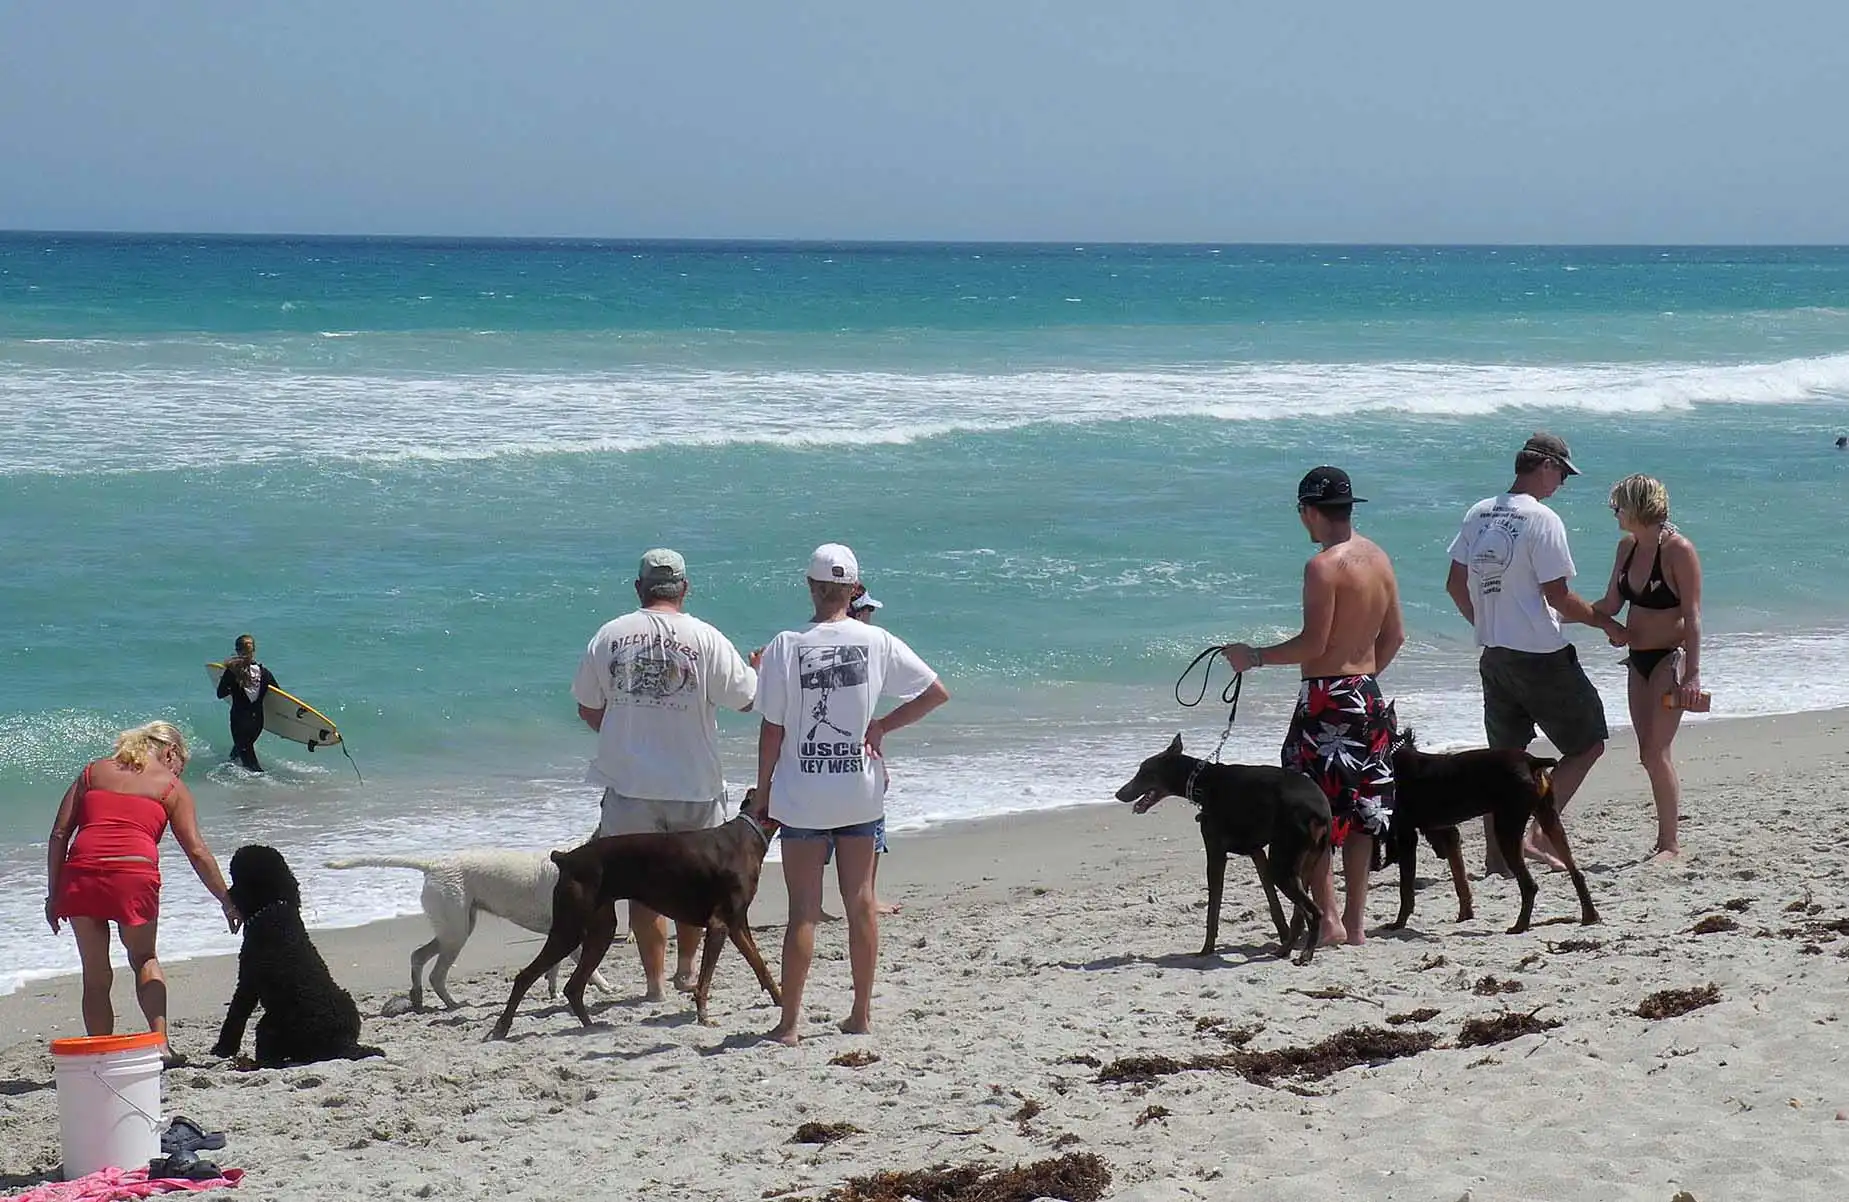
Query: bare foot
{"points": [[827, 917], [684, 981], [856, 1024], [1664, 855], [786, 1036], [653, 992], [1356, 939], [1333, 935], [1536, 848], [887, 907]]}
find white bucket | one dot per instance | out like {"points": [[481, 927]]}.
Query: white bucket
{"points": [[109, 1101]]}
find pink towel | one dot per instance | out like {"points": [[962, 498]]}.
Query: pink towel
{"points": [[120, 1185]]}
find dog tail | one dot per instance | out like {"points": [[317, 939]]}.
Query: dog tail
{"points": [[411, 862], [575, 867]]}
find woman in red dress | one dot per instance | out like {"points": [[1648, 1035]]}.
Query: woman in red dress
{"points": [[104, 866]]}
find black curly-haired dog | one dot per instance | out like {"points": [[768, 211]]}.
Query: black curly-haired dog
{"points": [[306, 1016]]}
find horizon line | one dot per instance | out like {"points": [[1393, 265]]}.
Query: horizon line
{"points": [[775, 241]]}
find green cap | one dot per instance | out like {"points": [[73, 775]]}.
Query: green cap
{"points": [[662, 566]]}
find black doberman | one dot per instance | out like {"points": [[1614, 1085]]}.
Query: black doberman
{"points": [[1279, 818]]}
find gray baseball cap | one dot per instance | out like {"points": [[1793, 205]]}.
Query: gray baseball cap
{"points": [[661, 566]]}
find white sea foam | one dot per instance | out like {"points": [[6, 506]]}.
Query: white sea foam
{"points": [[189, 417]]}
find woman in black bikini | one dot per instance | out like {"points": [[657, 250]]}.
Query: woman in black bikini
{"points": [[1663, 588]]}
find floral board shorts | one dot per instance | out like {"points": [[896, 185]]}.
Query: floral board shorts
{"points": [[1341, 737]]}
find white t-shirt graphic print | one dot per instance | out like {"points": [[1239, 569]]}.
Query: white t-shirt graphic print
{"points": [[659, 677], [1512, 544], [823, 684]]}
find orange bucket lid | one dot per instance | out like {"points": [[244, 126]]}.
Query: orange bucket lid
{"points": [[102, 1045]]}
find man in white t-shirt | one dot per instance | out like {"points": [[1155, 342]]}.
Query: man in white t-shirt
{"points": [[1509, 571], [819, 751], [649, 684]]}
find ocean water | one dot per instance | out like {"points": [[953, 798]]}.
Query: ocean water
{"points": [[421, 473]]}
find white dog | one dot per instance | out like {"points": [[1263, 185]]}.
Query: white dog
{"points": [[514, 885]]}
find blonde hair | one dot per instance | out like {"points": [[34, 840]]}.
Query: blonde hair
{"points": [[139, 744], [1643, 497]]}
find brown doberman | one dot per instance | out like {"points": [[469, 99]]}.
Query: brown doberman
{"points": [[703, 878], [1436, 792]]}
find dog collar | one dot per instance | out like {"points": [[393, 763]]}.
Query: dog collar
{"points": [[264, 909], [754, 826], [1187, 792]]}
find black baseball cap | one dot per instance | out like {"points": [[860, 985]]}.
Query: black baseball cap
{"points": [[1543, 443], [1327, 486]]}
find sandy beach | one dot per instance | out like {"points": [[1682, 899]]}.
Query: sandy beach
{"points": [[1035, 952]]}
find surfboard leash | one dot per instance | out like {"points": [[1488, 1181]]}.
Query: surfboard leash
{"points": [[350, 759]]}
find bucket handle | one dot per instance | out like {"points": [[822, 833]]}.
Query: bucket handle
{"points": [[153, 1119]]}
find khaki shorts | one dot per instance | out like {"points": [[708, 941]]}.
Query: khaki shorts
{"points": [[639, 816]]}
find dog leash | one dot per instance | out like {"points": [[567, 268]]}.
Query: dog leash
{"points": [[1229, 695]]}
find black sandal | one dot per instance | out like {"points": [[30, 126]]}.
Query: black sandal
{"points": [[184, 1135]]}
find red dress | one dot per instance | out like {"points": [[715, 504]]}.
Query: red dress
{"points": [[94, 883]]}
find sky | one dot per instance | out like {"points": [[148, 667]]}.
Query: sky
{"points": [[1059, 120]]}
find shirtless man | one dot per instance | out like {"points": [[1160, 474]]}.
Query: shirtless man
{"points": [[1341, 735]]}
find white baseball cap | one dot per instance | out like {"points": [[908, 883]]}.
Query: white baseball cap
{"points": [[833, 563]]}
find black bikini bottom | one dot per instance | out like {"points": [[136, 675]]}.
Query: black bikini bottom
{"points": [[1645, 662]]}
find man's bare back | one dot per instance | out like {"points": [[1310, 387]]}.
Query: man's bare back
{"points": [[1357, 575]]}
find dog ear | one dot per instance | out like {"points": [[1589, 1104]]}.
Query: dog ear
{"points": [[1174, 747]]}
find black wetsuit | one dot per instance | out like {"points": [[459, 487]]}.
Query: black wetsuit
{"points": [[246, 710]]}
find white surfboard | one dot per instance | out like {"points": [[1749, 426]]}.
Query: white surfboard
{"points": [[289, 717]]}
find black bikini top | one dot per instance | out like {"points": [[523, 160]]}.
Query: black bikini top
{"points": [[1656, 592]]}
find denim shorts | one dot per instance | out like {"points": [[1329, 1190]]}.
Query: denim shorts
{"points": [[859, 830]]}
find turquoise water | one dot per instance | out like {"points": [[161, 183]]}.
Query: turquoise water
{"points": [[421, 473]]}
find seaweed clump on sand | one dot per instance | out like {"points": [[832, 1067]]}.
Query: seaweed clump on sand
{"points": [[1500, 1028], [1671, 1003], [1343, 1050], [1714, 924], [1134, 1069], [1075, 1177], [1423, 1014], [823, 1133]]}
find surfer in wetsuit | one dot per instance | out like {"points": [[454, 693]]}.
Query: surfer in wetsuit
{"points": [[246, 682]]}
